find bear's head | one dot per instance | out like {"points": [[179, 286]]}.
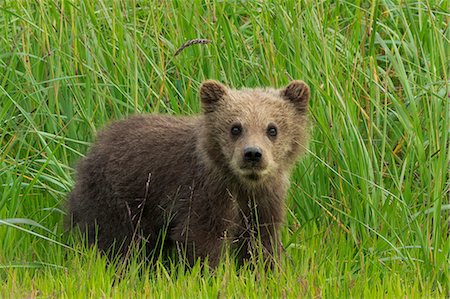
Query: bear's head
{"points": [[255, 134]]}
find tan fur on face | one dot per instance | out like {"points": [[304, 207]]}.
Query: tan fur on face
{"points": [[255, 109]]}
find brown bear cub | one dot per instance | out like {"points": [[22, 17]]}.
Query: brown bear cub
{"points": [[208, 181]]}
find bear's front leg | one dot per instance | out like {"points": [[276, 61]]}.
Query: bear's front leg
{"points": [[209, 250], [270, 240], [261, 230], [259, 239]]}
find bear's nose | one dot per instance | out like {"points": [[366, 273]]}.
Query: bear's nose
{"points": [[252, 154]]}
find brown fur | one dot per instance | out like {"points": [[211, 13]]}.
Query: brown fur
{"points": [[188, 175]]}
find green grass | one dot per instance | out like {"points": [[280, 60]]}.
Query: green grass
{"points": [[369, 206]]}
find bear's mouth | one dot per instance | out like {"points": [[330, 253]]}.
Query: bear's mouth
{"points": [[252, 173], [253, 176]]}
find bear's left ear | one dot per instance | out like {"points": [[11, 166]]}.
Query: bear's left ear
{"points": [[210, 93], [297, 92]]}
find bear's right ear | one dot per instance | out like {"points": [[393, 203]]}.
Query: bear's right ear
{"points": [[210, 93]]}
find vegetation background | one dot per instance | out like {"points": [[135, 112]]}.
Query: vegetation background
{"points": [[369, 206]]}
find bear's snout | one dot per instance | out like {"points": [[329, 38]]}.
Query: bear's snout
{"points": [[252, 154]]}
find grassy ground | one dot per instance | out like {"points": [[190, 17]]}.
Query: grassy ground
{"points": [[369, 206]]}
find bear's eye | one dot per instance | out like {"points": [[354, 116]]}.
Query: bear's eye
{"points": [[272, 130], [236, 130]]}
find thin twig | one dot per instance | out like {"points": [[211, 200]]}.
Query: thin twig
{"points": [[192, 42]]}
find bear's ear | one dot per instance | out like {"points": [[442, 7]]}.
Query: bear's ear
{"points": [[297, 92], [210, 93]]}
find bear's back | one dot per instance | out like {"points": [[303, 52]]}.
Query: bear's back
{"points": [[147, 154]]}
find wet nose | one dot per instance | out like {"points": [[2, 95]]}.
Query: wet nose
{"points": [[252, 154]]}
